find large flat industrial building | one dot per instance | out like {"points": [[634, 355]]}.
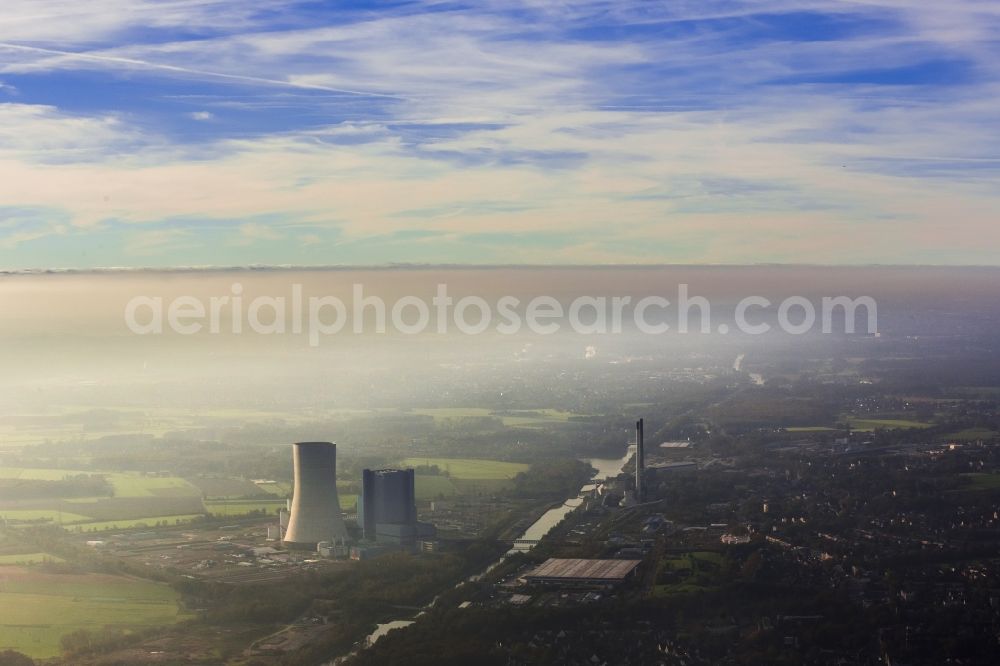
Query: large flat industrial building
{"points": [[582, 572]]}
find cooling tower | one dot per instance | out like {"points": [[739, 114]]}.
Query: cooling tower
{"points": [[315, 507]]}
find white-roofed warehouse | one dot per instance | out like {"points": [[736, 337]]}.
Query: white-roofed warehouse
{"points": [[555, 571]]}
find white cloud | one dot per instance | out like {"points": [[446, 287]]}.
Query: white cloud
{"points": [[37, 133], [647, 184], [618, 142], [13, 239], [60, 22], [252, 232], [147, 243]]}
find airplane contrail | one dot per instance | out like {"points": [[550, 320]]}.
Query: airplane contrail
{"points": [[188, 70]]}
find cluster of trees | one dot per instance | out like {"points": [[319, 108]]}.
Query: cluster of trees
{"points": [[83, 641], [354, 599], [557, 477], [14, 658]]}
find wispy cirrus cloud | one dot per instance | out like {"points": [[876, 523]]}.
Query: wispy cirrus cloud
{"points": [[717, 131]]}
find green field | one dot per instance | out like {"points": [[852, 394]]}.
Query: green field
{"points": [[53, 515], [809, 429], [138, 485], [973, 434], [106, 525], [37, 609], [221, 487], [465, 468], [868, 425], [689, 560], [269, 507], [445, 413], [700, 569], [865, 425], [676, 589], [32, 473], [535, 417], [125, 484], [981, 481], [27, 558], [513, 418], [78, 423], [431, 487], [243, 507], [163, 499], [143, 500], [462, 475], [276, 488]]}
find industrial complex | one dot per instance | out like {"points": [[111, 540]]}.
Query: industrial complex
{"points": [[387, 509]]}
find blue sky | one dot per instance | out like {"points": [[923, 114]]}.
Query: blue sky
{"points": [[205, 132]]}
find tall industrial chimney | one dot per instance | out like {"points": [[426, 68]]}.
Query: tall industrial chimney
{"points": [[315, 513], [640, 463]]}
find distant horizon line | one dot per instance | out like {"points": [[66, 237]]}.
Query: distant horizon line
{"points": [[405, 266]]}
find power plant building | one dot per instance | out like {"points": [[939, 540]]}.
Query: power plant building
{"points": [[387, 508], [315, 511], [387, 496]]}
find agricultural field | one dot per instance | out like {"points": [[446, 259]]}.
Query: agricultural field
{"points": [[81, 422], [133, 484], [515, 418], [461, 476], [531, 418], [869, 425], [275, 488], [446, 413], [692, 561], [136, 498], [27, 558], [151, 521], [225, 488], [470, 469], [37, 608], [125, 484], [691, 572], [865, 425], [221, 507], [147, 500], [432, 487], [981, 481], [973, 434], [33, 473], [67, 512], [51, 515]]}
